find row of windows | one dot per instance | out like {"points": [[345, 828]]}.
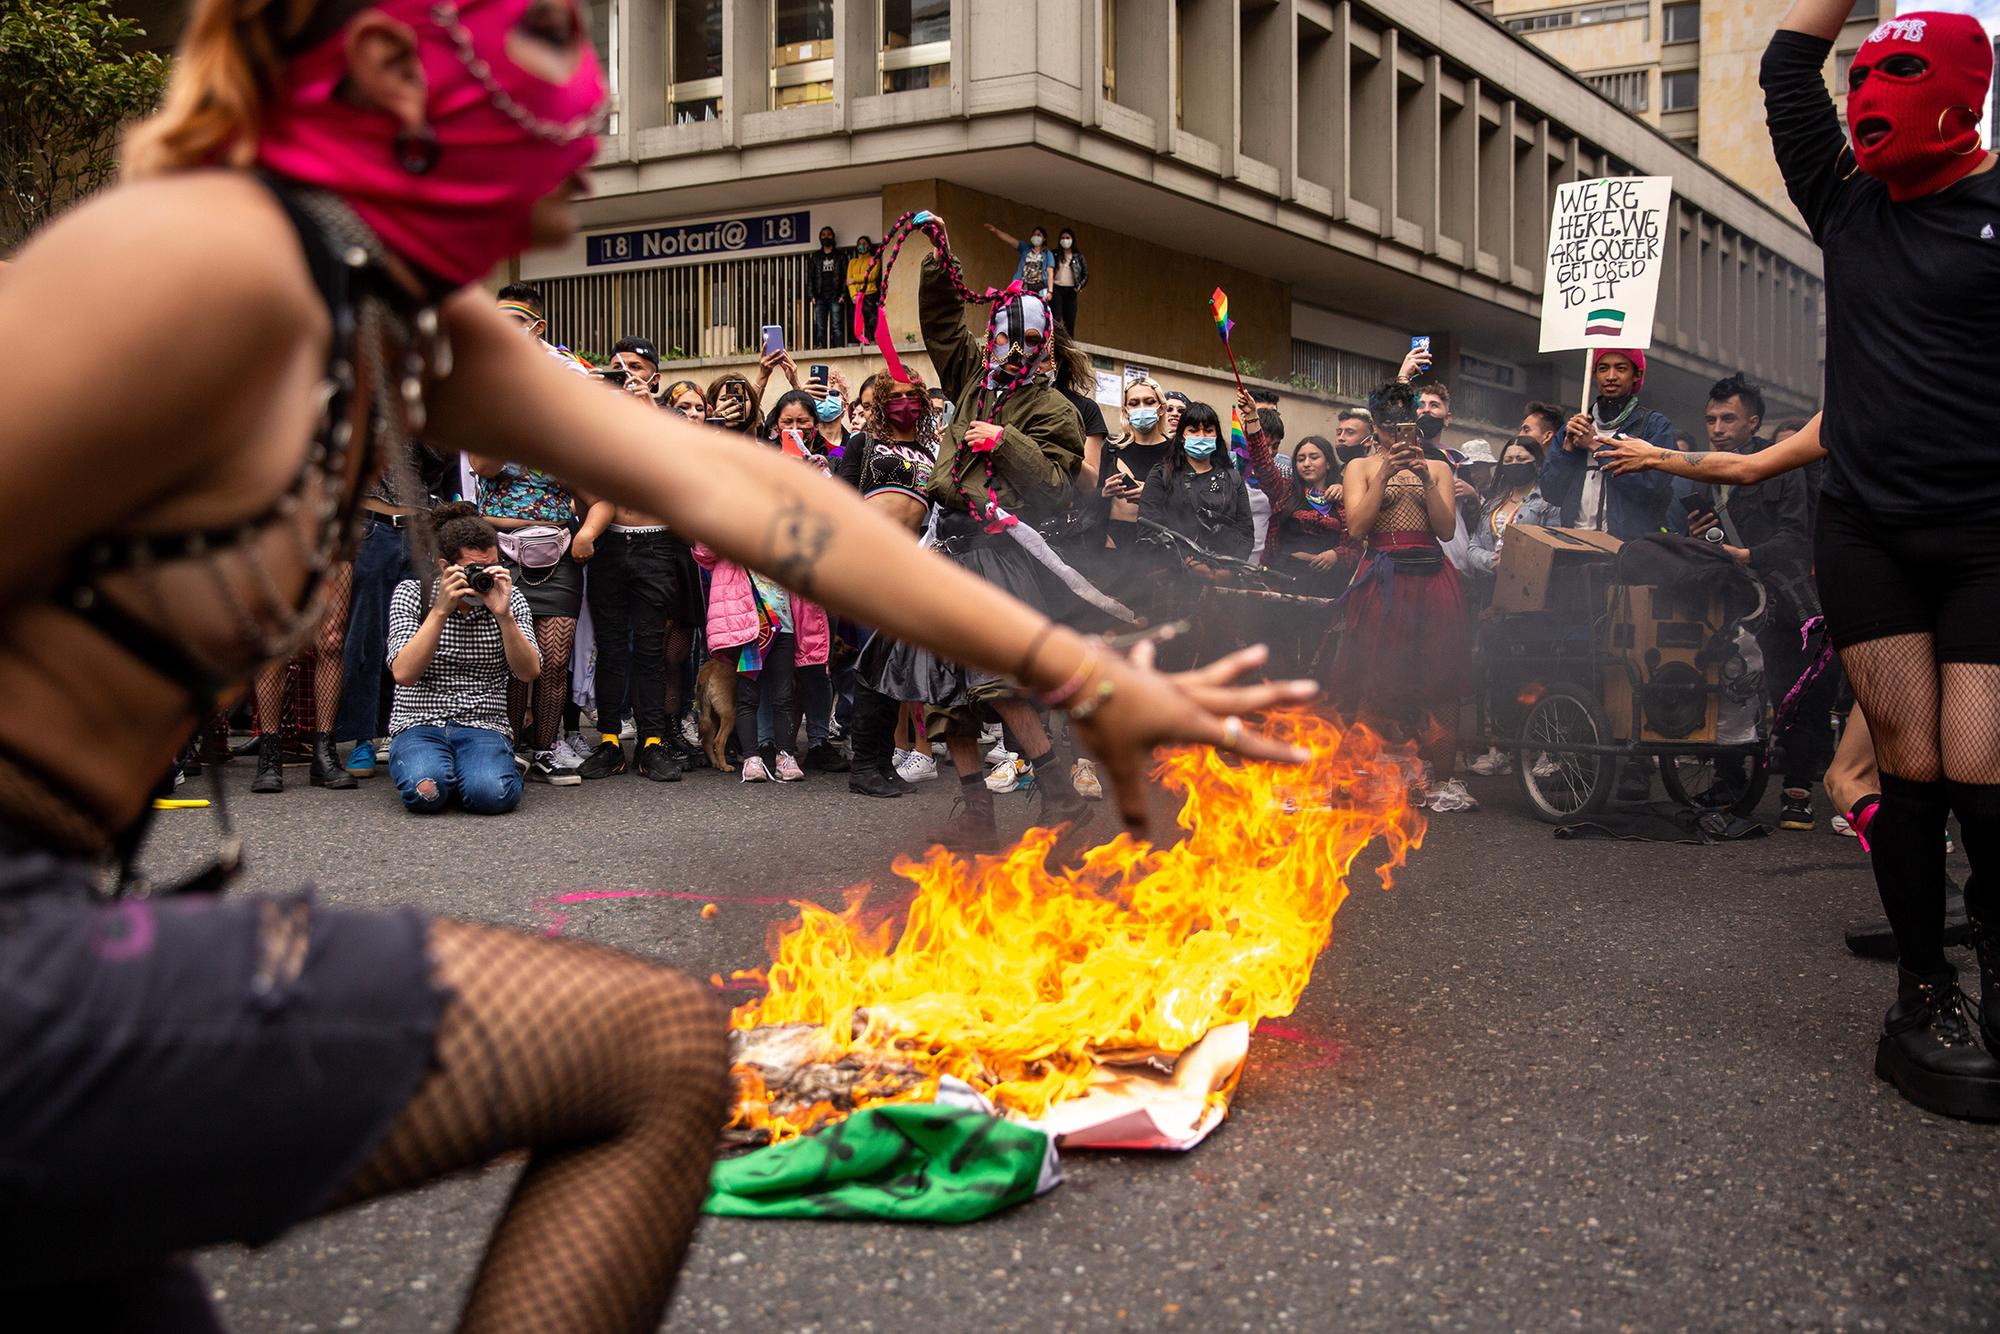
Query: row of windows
{"points": [[914, 50]]}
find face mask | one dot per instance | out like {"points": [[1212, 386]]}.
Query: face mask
{"points": [[504, 138], [1036, 240], [828, 408], [1348, 453], [1930, 115], [1143, 419], [1512, 475], [826, 243], [904, 413], [1198, 446], [1429, 427], [1066, 243]]}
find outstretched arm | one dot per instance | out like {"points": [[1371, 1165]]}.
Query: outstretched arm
{"points": [[1716, 466], [753, 505], [1817, 18]]}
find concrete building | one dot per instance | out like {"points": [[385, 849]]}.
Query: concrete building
{"points": [[1686, 66], [1351, 176]]}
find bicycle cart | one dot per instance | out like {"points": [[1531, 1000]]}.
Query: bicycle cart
{"points": [[1607, 675]]}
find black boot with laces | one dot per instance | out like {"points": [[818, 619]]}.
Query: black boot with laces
{"points": [[1986, 942], [1927, 1049], [970, 827], [270, 764]]}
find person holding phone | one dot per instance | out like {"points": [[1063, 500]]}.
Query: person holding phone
{"points": [[1405, 658], [1128, 460], [732, 403], [453, 653]]}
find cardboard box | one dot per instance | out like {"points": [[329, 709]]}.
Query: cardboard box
{"points": [[798, 53], [801, 95], [1541, 568], [1662, 634]]}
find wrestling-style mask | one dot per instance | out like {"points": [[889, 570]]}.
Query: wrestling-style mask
{"points": [[1017, 336], [454, 198], [1915, 91]]}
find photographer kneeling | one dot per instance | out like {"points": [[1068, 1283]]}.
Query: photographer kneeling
{"points": [[451, 659]]}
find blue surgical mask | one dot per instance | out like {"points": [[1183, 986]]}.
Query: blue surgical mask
{"points": [[828, 408], [1198, 446], [1143, 419]]}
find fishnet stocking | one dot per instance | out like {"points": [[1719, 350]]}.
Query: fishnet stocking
{"points": [[612, 1073], [271, 697], [680, 644], [1896, 684], [1969, 722], [555, 636], [329, 645]]}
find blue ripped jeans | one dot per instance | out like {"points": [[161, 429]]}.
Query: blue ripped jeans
{"points": [[432, 764]]}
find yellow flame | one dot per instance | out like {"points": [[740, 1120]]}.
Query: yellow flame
{"points": [[1011, 976]]}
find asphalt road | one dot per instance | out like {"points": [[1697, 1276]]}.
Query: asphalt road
{"points": [[1538, 1085]]}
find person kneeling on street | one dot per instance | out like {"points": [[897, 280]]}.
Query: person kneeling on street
{"points": [[452, 655]]}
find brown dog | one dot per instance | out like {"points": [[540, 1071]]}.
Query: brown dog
{"points": [[715, 710]]}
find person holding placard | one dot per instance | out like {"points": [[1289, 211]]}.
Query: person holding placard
{"points": [[1906, 553], [1626, 506]]}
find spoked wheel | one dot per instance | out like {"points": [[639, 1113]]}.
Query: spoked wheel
{"points": [[1560, 782], [1732, 781]]}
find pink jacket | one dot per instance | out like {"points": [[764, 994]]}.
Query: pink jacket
{"points": [[732, 613]]}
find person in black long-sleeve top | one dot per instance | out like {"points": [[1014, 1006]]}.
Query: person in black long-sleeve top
{"points": [[1197, 492], [1907, 554]]}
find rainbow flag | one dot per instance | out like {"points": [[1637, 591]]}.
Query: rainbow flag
{"points": [[1218, 304], [1237, 440]]}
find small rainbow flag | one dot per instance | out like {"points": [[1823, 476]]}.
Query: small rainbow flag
{"points": [[1604, 320], [1218, 303], [1237, 440]]}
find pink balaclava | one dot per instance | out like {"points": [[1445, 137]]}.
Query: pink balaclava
{"points": [[504, 138]]}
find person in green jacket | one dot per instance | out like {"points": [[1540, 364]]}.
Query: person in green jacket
{"points": [[1010, 455]]}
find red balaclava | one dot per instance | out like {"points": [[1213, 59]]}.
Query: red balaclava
{"points": [[1917, 132], [1637, 358]]}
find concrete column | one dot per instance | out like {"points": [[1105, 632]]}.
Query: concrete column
{"points": [[642, 49], [1372, 134], [1268, 73], [1458, 175], [1531, 198], [746, 64], [1417, 116], [1320, 141], [1206, 75]]}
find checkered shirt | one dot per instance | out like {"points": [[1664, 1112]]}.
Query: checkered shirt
{"points": [[466, 682]]}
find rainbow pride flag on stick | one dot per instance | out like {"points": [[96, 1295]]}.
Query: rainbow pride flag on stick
{"points": [[1218, 306]]}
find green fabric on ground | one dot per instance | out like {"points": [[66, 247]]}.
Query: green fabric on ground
{"points": [[907, 1162]]}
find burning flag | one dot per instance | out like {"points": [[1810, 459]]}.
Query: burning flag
{"points": [[1022, 981]]}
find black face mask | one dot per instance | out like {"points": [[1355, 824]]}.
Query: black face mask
{"points": [[1429, 427], [826, 243], [1348, 453], [1512, 475]]}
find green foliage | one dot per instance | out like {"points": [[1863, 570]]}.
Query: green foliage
{"points": [[72, 75]]}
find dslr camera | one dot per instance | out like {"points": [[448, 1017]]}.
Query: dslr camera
{"points": [[479, 578]]}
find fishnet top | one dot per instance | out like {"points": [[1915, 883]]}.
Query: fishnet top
{"points": [[1403, 509]]}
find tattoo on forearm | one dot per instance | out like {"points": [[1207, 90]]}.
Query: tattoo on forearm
{"points": [[800, 535]]}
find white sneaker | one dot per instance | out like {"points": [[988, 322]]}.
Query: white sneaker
{"points": [[1840, 826], [566, 756], [542, 769], [1010, 776], [1450, 796], [917, 767], [1494, 761], [990, 734], [788, 768], [1000, 755], [940, 750], [754, 770], [1545, 766], [628, 731], [1083, 777], [690, 729]]}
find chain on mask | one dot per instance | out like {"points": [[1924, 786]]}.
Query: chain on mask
{"points": [[454, 198]]}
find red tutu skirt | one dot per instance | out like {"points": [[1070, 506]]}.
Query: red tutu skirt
{"points": [[1406, 653]]}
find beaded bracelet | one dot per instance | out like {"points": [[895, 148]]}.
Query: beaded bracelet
{"points": [[1067, 691], [1096, 700]]}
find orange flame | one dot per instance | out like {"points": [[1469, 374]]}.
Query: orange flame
{"points": [[1012, 977]]}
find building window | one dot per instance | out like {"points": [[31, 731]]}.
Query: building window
{"points": [[801, 52], [1627, 88], [1680, 90], [1682, 23], [694, 61], [1579, 18], [1864, 11], [916, 45]]}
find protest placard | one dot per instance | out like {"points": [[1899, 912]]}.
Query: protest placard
{"points": [[1607, 245]]}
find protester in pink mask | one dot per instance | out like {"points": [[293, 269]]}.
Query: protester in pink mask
{"points": [[182, 1069], [1905, 548]]}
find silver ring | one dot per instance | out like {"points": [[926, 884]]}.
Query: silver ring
{"points": [[1232, 731]]}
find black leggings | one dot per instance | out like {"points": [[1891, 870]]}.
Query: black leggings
{"points": [[1915, 612]]}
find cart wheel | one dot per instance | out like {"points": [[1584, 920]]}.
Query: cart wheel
{"points": [[1563, 784], [1706, 782]]}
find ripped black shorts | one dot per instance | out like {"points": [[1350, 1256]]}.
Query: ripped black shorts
{"points": [[180, 1072]]}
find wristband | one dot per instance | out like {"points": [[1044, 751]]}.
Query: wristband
{"points": [[1067, 691], [1034, 647], [1088, 706]]}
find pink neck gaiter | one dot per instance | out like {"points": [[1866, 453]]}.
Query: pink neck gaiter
{"points": [[505, 138]]}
